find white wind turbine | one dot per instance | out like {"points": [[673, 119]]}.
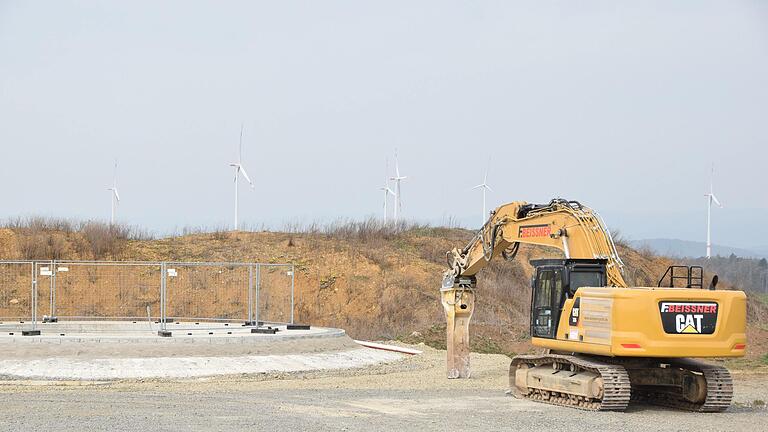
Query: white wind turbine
{"points": [[114, 196], [397, 178], [710, 199], [484, 186], [239, 169], [387, 192]]}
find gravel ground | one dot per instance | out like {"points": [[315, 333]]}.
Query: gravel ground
{"points": [[409, 395]]}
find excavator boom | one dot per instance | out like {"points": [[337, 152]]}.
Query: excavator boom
{"points": [[573, 228]]}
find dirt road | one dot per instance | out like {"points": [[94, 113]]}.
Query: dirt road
{"points": [[410, 395]]}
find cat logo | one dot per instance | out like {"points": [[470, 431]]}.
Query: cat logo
{"points": [[688, 317], [688, 323]]}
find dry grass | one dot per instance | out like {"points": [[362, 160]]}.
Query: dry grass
{"points": [[41, 238]]}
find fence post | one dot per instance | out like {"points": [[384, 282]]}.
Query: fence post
{"points": [[163, 296], [293, 278], [52, 308], [250, 295], [34, 296], [258, 285]]}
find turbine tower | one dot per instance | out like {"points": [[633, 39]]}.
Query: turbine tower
{"points": [[387, 191], [710, 199], [239, 169], [484, 186], [114, 196], [397, 178]]}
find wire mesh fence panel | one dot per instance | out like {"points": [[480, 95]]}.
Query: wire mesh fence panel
{"points": [[275, 293], [87, 290], [107, 290], [214, 292], [15, 292]]}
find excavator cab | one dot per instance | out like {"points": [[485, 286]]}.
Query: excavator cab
{"points": [[556, 280]]}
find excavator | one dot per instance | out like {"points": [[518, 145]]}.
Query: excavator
{"points": [[604, 343]]}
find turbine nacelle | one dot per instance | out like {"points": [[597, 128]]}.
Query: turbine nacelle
{"points": [[388, 190], [240, 170], [114, 193], [713, 198]]}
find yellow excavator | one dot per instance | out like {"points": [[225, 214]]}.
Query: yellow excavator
{"points": [[605, 343]]}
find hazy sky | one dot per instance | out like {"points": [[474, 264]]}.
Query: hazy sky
{"points": [[622, 106]]}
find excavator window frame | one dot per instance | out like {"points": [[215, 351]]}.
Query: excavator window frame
{"points": [[557, 299], [556, 285]]}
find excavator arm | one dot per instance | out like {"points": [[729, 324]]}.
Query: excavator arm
{"points": [[575, 229]]}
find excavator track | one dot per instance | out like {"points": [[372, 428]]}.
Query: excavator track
{"points": [[719, 389], [616, 386]]}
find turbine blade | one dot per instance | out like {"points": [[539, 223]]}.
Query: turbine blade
{"points": [[391, 192], [478, 186], [714, 198], [487, 187], [397, 165], [117, 195], [240, 149], [245, 174], [386, 171]]}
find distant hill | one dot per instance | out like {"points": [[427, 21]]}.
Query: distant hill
{"points": [[693, 249], [762, 250]]}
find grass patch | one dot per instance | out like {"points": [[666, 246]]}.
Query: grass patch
{"points": [[486, 345]]}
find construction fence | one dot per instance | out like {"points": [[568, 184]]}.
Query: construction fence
{"points": [[37, 292]]}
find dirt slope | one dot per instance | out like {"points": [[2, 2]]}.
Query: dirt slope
{"points": [[374, 285]]}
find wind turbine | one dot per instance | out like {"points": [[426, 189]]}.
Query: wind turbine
{"points": [[387, 192], [484, 186], [239, 169], [115, 197], [397, 178], [710, 199]]}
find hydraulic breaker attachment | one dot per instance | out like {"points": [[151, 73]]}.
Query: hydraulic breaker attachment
{"points": [[458, 299]]}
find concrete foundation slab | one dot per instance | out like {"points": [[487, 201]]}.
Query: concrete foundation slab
{"points": [[99, 350]]}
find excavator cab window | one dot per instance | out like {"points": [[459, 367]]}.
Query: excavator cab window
{"points": [[556, 280], [585, 278], [548, 296]]}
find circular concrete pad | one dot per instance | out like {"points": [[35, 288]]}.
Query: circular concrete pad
{"points": [[103, 350]]}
